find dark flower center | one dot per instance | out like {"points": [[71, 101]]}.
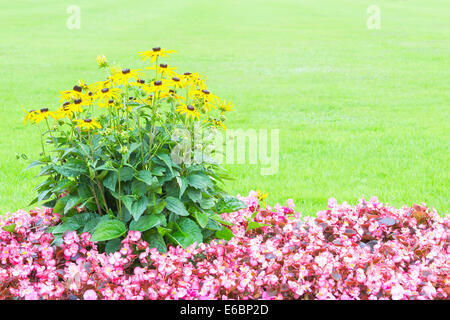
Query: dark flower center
{"points": [[77, 101], [88, 120], [191, 108], [163, 65], [105, 90], [90, 93], [156, 49], [44, 110], [157, 83], [141, 81], [110, 101], [205, 91], [66, 103], [77, 88], [175, 79], [125, 71], [187, 73], [131, 98]]}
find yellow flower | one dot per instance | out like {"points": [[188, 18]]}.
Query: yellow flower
{"points": [[262, 196], [188, 110], [177, 82], [106, 94], [164, 69], [31, 115], [124, 76], [171, 94], [216, 123], [154, 54], [157, 86], [88, 124], [43, 114], [101, 61], [225, 106]]}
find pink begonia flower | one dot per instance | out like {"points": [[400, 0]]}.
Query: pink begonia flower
{"points": [[90, 295], [290, 203], [397, 292], [332, 202]]}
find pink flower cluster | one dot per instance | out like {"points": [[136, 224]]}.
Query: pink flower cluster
{"points": [[366, 251]]}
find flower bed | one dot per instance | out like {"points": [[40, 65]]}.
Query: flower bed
{"points": [[366, 251]]}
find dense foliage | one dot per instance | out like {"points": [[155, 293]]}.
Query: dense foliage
{"points": [[366, 251], [125, 154]]}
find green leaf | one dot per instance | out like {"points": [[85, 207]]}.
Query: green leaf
{"points": [[138, 188], [225, 234], [72, 201], [182, 183], [110, 181], [112, 245], [138, 207], [207, 203], [191, 228], [213, 225], [202, 218], [158, 171], [255, 225], [10, 227], [180, 238], [109, 229], [176, 206], [146, 176], [147, 222], [126, 173], [199, 181], [72, 168], [155, 240], [194, 195], [66, 226], [230, 204]]}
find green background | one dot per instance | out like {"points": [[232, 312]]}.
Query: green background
{"points": [[360, 112]]}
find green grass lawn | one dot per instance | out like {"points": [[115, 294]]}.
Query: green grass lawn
{"points": [[361, 112]]}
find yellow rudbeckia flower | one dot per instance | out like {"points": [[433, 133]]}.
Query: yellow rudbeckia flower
{"points": [[154, 54], [189, 111], [88, 124]]}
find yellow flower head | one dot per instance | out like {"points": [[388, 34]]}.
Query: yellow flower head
{"points": [[164, 69], [101, 61], [225, 106], [124, 76], [262, 196], [188, 110], [88, 124], [31, 115], [154, 54], [43, 114]]}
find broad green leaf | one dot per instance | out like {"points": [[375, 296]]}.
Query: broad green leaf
{"points": [[176, 206], [191, 228], [194, 195], [202, 218], [126, 173], [255, 225], [182, 183], [199, 181], [110, 181], [225, 234], [10, 227], [155, 240], [72, 168], [147, 222], [66, 226], [112, 245], [138, 188], [207, 203], [72, 201], [230, 204], [180, 238], [138, 207], [109, 229]]}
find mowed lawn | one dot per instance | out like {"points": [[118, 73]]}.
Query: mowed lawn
{"points": [[360, 112]]}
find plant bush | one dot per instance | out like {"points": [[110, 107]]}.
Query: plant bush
{"points": [[367, 251], [122, 157]]}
